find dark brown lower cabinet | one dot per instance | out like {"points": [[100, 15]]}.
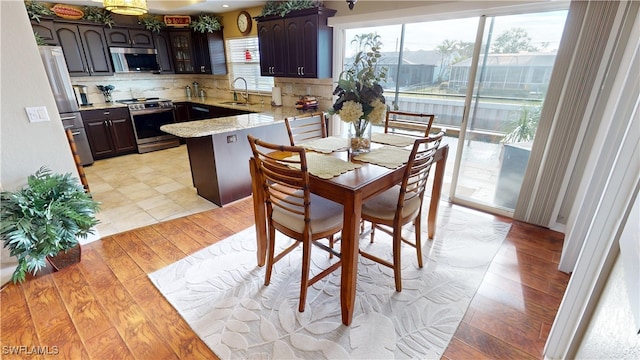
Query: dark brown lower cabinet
{"points": [[110, 132]]}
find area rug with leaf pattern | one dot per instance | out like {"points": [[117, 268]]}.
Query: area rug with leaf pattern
{"points": [[219, 291]]}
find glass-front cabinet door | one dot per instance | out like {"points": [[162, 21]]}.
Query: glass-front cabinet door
{"points": [[182, 47]]}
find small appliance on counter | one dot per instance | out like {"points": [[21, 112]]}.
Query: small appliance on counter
{"points": [[81, 95]]}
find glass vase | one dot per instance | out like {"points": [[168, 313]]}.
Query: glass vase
{"points": [[107, 97], [360, 138]]}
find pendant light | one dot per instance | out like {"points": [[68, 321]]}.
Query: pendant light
{"points": [[126, 7], [351, 3]]}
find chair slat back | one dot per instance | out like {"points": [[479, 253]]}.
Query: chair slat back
{"points": [[417, 171], [305, 128], [407, 123], [285, 182]]}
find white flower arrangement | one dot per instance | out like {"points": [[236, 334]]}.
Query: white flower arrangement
{"points": [[360, 100]]}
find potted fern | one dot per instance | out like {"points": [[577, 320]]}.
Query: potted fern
{"points": [[44, 220]]}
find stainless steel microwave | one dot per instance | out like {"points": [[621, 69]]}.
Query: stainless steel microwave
{"points": [[134, 59]]}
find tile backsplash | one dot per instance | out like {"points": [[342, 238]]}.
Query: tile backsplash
{"points": [[172, 86]]}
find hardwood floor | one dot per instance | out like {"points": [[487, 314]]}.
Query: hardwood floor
{"points": [[106, 307]]}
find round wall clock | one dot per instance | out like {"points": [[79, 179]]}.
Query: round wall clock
{"points": [[244, 22]]}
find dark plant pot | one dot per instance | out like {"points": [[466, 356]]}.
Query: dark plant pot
{"points": [[66, 258]]}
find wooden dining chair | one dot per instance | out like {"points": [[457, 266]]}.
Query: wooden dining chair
{"points": [[305, 128], [402, 204], [292, 210], [408, 123]]}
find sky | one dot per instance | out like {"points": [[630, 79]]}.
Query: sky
{"points": [[541, 27]]}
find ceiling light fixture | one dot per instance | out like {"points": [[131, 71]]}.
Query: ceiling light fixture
{"points": [[126, 7], [351, 3], [225, 5]]}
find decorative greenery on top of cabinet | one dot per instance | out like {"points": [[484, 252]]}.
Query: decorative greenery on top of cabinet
{"points": [[206, 23], [152, 22], [282, 8], [36, 10], [98, 15]]}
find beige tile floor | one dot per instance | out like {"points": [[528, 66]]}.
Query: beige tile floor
{"points": [[142, 189]]}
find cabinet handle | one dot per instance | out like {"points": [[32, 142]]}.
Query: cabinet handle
{"points": [[202, 69], [106, 113], [68, 118], [75, 133], [302, 70]]}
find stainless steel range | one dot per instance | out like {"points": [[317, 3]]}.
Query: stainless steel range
{"points": [[148, 115]]}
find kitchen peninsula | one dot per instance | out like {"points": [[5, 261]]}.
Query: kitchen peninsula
{"points": [[219, 151]]}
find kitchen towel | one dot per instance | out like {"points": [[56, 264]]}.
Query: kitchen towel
{"points": [[276, 96]]}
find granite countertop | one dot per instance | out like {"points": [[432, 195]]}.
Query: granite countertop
{"points": [[264, 115], [98, 106]]}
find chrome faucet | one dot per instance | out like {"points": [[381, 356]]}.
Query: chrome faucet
{"points": [[245, 96]]}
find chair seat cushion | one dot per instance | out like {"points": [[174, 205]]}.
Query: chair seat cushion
{"points": [[383, 206], [325, 215]]}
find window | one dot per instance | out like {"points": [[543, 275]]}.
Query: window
{"points": [[244, 61]]}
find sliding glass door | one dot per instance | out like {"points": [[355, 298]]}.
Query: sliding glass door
{"points": [[485, 79], [509, 73]]}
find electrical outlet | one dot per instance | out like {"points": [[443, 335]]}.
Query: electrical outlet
{"points": [[231, 139], [288, 88], [37, 114]]}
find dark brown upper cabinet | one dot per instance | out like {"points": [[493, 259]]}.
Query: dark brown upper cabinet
{"points": [[85, 49], [271, 41], [163, 46], [299, 44], [45, 29], [210, 53], [124, 37]]}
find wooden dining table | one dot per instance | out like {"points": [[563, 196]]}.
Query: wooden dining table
{"points": [[350, 189]]}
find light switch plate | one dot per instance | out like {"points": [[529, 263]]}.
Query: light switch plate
{"points": [[37, 114]]}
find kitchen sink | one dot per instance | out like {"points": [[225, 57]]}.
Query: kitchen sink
{"points": [[235, 103]]}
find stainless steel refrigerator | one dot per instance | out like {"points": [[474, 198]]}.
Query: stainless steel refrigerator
{"points": [[56, 68]]}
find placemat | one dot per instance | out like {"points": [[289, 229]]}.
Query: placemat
{"points": [[325, 166], [326, 145], [392, 139], [387, 156]]}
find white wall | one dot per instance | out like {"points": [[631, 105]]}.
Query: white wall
{"points": [[24, 146], [611, 334]]}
